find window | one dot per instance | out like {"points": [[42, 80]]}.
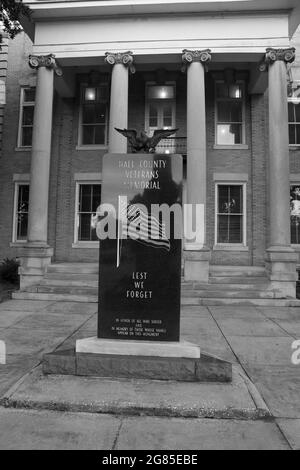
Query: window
{"points": [[230, 121], [27, 102], [295, 214], [230, 214], [160, 107], [294, 114], [160, 113], [88, 198], [93, 115], [21, 204]]}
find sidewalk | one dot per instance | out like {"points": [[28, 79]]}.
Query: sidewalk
{"points": [[258, 340]]}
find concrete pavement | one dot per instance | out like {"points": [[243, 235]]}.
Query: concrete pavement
{"points": [[257, 340]]}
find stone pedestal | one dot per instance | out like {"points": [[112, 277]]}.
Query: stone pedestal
{"points": [[179, 362], [281, 269], [196, 265], [34, 260]]}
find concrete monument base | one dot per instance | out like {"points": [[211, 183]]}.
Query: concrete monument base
{"points": [[96, 345], [123, 365]]}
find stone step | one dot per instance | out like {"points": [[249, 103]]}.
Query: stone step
{"points": [[55, 297], [237, 280], [240, 302], [185, 301], [71, 276], [42, 289], [225, 287], [80, 282], [74, 268], [251, 294], [233, 271]]}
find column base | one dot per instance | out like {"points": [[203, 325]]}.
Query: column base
{"points": [[34, 259], [281, 263], [196, 265]]}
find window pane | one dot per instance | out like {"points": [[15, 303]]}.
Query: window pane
{"points": [[23, 199], [96, 199], [295, 231], [29, 95], [85, 198], [99, 135], [297, 112], [167, 116], [157, 92], [229, 111], [235, 91], [153, 116], [230, 199], [102, 93], [235, 199], [100, 113], [235, 229], [230, 229], [84, 227], [88, 135], [22, 226], [292, 134], [26, 136], [22, 211], [291, 107], [28, 115], [94, 113], [295, 214], [89, 114], [222, 90], [223, 196], [229, 134], [298, 134]]}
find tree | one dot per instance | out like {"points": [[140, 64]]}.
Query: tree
{"points": [[10, 13]]}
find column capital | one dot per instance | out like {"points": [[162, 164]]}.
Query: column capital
{"points": [[189, 56], [273, 55], [48, 61], [125, 58]]}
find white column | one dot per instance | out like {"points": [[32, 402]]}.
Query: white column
{"points": [[197, 256], [118, 117], [281, 259], [41, 151], [36, 254]]}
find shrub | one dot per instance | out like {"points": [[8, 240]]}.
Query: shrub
{"points": [[9, 271]]}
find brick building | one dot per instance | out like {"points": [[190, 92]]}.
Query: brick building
{"points": [[206, 71]]}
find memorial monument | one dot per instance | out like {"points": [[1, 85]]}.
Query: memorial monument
{"points": [[139, 224]]}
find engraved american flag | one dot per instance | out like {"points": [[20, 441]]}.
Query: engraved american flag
{"points": [[142, 227]]}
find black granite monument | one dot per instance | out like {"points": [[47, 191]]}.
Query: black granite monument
{"points": [[140, 262]]}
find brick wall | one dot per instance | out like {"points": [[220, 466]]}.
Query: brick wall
{"points": [[12, 161]]}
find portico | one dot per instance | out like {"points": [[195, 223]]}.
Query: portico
{"points": [[162, 44]]}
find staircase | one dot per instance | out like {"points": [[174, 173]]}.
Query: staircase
{"points": [[228, 285]]}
